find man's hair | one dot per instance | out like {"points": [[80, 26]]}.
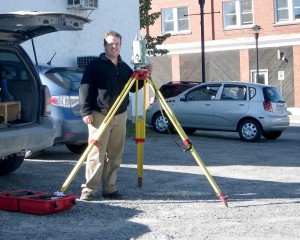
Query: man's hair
{"points": [[114, 34]]}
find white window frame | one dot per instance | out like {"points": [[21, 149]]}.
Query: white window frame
{"points": [[238, 13], [175, 20], [291, 12], [83, 4], [264, 72]]}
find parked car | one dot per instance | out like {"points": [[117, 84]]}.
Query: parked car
{"points": [[64, 83], [25, 102], [250, 109], [172, 89]]}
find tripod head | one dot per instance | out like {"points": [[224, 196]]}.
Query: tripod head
{"points": [[139, 58]]}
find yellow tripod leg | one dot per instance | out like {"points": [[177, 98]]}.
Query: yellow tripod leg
{"points": [[100, 131], [140, 134], [187, 143], [140, 139]]}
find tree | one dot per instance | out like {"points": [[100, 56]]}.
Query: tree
{"points": [[147, 20]]}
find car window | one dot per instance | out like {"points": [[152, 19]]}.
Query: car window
{"points": [[203, 93], [67, 79], [174, 90], [234, 92], [252, 92], [11, 67], [272, 94]]}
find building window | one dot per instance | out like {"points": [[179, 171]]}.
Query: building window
{"points": [[175, 20], [263, 76], [287, 10], [84, 4], [237, 13]]}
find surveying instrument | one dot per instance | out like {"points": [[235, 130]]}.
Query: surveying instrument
{"points": [[140, 61]]}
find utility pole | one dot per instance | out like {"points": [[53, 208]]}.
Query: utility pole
{"points": [[201, 3]]}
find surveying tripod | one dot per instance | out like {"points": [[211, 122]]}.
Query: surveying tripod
{"points": [[142, 75]]}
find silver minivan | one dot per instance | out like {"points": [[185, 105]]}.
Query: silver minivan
{"points": [[25, 122], [252, 110]]}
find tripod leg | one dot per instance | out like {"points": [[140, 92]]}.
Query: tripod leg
{"points": [[100, 131], [140, 135], [187, 143]]}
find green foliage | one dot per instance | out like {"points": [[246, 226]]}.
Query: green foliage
{"points": [[147, 20]]}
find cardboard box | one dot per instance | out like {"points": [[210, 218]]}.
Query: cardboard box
{"points": [[10, 110]]}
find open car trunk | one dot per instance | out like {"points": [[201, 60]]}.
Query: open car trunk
{"points": [[22, 99]]}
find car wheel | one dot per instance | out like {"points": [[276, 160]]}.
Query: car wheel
{"points": [[10, 163], [160, 123], [250, 130], [77, 148], [271, 135]]}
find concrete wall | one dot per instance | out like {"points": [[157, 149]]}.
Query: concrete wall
{"points": [[110, 15]]}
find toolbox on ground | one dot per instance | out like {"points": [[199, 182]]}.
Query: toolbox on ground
{"points": [[10, 200], [35, 202], [46, 203]]}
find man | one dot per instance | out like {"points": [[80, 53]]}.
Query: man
{"points": [[103, 80]]}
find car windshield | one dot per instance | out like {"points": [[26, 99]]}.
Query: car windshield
{"points": [[68, 79], [272, 94]]}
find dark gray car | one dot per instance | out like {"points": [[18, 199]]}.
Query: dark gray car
{"points": [[25, 122], [252, 110]]}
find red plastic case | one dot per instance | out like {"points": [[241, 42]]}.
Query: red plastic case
{"points": [[10, 200], [35, 202], [46, 203]]}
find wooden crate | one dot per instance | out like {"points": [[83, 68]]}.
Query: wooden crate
{"points": [[10, 110]]}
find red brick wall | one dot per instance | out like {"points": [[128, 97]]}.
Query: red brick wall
{"points": [[296, 54], [263, 16], [244, 65]]}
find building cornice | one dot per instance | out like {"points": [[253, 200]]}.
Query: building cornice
{"points": [[234, 44]]}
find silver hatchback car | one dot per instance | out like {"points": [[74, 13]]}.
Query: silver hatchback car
{"points": [[252, 110]]}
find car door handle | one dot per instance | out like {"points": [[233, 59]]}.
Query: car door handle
{"points": [[241, 104]]}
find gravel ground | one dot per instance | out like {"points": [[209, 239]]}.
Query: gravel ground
{"points": [[176, 201]]}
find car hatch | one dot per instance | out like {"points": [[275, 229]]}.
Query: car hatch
{"points": [[274, 98], [17, 27]]}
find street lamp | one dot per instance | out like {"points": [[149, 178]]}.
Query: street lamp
{"points": [[201, 3], [256, 29]]}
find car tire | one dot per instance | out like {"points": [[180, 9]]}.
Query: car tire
{"points": [[272, 135], [10, 163], [160, 123], [250, 130], [77, 148]]}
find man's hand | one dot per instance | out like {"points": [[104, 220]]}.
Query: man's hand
{"points": [[149, 68], [88, 119]]}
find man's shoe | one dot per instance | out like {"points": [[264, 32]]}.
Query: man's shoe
{"points": [[86, 196], [114, 195]]}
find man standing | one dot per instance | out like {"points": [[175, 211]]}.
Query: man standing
{"points": [[103, 80]]}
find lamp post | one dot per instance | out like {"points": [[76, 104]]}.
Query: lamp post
{"points": [[201, 3], [256, 29]]}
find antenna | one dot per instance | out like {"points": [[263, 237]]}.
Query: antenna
{"points": [[49, 63]]}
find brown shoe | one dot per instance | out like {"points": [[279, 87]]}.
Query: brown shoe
{"points": [[114, 195], [86, 196]]}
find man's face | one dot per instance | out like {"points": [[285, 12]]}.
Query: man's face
{"points": [[112, 47]]}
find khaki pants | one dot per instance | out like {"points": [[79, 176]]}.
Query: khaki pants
{"points": [[103, 161]]}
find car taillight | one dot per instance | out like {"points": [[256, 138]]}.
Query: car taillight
{"points": [[268, 106], [47, 107], [65, 101]]}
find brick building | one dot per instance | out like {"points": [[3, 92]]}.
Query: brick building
{"points": [[229, 42]]}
